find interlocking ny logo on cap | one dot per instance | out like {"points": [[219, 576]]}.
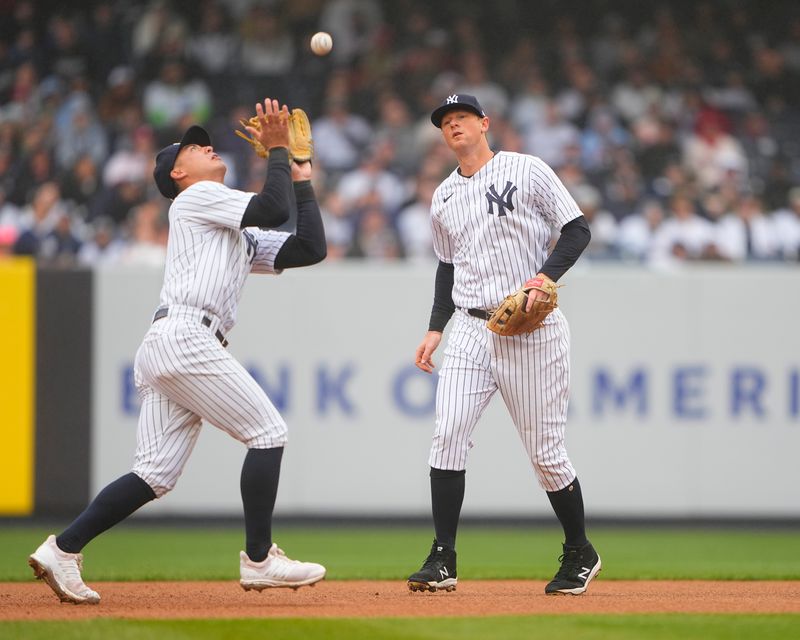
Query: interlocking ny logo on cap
{"points": [[452, 99]]}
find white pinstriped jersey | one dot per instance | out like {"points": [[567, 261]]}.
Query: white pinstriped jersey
{"points": [[209, 256], [495, 225], [183, 373]]}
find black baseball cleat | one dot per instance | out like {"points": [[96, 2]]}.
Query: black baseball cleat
{"points": [[579, 565], [437, 572]]}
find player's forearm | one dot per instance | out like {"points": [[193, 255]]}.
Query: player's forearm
{"points": [[575, 236], [443, 305], [270, 208], [308, 245]]}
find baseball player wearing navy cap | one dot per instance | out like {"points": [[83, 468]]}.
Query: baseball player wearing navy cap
{"points": [[462, 102], [491, 221], [183, 372]]}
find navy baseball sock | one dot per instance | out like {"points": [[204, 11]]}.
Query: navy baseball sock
{"points": [[447, 496], [568, 505], [113, 504], [259, 485]]}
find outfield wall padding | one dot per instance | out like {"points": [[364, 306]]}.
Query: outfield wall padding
{"points": [[63, 390]]}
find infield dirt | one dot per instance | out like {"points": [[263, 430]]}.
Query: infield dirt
{"points": [[357, 599]]}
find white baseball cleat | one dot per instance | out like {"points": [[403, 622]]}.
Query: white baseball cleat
{"points": [[277, 570], [62, 573]]}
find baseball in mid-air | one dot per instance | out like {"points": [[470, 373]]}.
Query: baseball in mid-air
{"points": [[321, 43]]}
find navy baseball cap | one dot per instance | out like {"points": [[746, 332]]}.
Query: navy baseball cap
{"points": [[456, 101], [165, 160]]}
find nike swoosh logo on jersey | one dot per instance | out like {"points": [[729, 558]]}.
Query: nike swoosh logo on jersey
{"points": [[446, 198]]}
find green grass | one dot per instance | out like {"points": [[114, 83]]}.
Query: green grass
{"points": [[589, 627], [136, 552]]}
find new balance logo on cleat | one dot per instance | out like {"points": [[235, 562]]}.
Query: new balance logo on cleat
{"points": [[277, 570], [438, 572], [579, 565]]}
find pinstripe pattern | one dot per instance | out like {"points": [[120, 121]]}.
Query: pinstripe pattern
{"points": [[208, 256], [182, 372], [493, 255]]}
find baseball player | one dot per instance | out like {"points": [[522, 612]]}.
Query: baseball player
{"points": [[491, 221], [183, 372]]}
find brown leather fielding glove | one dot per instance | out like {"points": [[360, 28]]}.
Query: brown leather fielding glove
{"points": [[511, 319], [301, 144]]}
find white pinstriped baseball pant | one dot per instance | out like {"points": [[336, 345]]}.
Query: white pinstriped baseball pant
{"points": [[532, 373], [184, 375]]}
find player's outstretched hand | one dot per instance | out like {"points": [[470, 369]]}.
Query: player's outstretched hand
{"points": [[274, 125], [425, 351]]}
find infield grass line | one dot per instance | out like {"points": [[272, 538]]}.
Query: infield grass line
{"points": [[143, 553]]}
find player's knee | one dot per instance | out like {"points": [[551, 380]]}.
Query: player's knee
{"points": [[276, 435], [160, 484], [552, 473], [449, 445]]}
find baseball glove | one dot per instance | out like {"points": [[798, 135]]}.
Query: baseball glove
{"points": [[301, 144], [511, 319]]}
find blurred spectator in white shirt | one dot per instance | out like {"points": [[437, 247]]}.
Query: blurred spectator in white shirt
{"points": [[635, 95], [636, 232], [9, 212], [103, 246], [787, 225], [550, 140], [684, 235], [747, 233], [147, 241], [528, 108], [133, 160], [340, 137], [602, 223], [414, 221], [373, 178], [83, 135]]}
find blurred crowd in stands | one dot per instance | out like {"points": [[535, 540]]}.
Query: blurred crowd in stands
{"points": [[676, 125]]}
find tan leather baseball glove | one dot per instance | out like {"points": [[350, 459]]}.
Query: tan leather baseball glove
{"points": [[301, 144], [511, 319]]}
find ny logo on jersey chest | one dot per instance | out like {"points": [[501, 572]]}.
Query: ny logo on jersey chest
{"points": [[502, 200]]}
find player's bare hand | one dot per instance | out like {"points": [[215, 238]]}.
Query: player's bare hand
{"points": [[535, 294], [274, 121], [301, 171], [425, 351]]}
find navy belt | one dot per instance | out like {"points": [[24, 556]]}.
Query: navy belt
{"points": [[479, 313], [163, 312]]}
